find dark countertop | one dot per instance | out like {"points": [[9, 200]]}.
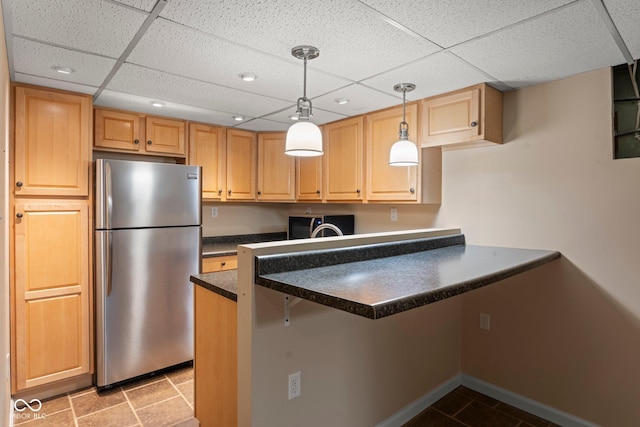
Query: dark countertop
{"points": [[228, 245], [411, 274], [224, 283]]}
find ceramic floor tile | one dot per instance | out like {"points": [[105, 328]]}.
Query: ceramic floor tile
{"points": [[522, 415], [472, 394], [116, 416], [452, 403], [480, 415], [85, 404], [180, 376], [151, 393], [432, 417], [165, 414], [62, 418], [187, 390], [191, 422]]}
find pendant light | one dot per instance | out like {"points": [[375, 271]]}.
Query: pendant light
{"points": [[403, 152], [304, 138]]}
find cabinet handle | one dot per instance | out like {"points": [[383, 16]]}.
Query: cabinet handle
{"points": [[19, 184], [358, 191], [219, 192], [317, 191], [136, 141], [474, 124], [412, 190], [19, 215], [229, 192], [149, 142], [259, 193], [223, 263]]}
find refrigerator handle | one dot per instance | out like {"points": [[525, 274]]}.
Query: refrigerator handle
{"points": [[108, 261], [104, 255]]}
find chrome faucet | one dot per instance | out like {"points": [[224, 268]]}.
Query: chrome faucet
{"points": [[324, 226]]}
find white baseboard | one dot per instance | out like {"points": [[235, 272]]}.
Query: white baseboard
{"points": [[422, 403], [531, 406]]}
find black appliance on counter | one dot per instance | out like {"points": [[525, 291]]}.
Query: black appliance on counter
{"points": [[302, 226]]}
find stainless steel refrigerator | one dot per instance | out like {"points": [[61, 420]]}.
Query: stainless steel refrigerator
{"points": [[148, 243]]}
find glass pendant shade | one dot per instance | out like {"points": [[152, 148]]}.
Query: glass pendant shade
{"points": [[403, 153], [304, 140]]}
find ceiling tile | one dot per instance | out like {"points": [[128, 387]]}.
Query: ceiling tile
{"points": [[181, 50], [449, 22], [125, 101], [39, 59], [146, 5], [263, 125], [569, 41], [55, 84], [626, 16], [167, 87], [90, 25], [353, 44], [320, 116], [439, 73], [362, 99]]}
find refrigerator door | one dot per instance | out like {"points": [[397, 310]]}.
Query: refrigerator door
{"points": [[132, 194], [144, 308]]}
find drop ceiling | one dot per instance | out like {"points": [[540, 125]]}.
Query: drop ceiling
{"points": [[188, 54]]}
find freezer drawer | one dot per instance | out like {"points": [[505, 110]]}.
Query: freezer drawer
{"points": [[144, 300]]}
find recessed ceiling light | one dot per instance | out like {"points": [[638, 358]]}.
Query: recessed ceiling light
{"points": [[157, 104], [248, 77], [238, 118], [63, 70], [341, 101]]}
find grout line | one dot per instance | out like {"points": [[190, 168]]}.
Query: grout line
{"points": [[136, 387], [159, 401], [135, 413], [100, 410], [73, 411], [181, 394]]}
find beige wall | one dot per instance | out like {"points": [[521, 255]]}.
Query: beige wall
{"points": [[4, 230], [567, 334]]}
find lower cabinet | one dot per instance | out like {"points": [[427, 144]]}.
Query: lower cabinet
{"points": [[50, 288], [215, 359]]}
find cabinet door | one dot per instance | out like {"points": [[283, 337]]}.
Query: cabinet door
{"points": [[241, 165], [276, 170], [52, 143], [207, 149], [384, 182], [451, 118], [309, 178], [117, 130], [51, 292], [343, 165], [165, 136]]}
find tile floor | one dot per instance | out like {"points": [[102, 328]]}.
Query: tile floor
{"points": [[163, 400], [466, 407], [167, 400]]}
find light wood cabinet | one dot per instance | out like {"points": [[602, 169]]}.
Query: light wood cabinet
{"points": [[51, 305], [215, 359], [129, 132], [384, 182], [118, 130], [219, 263], [207, 148], [165, 136], [241, 165], [52, 143], [276, 170], [344, 161], [309, 179], [464, 118]]}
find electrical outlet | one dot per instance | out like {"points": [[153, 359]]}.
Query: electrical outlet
{"points": [[214, 212], [394, 214], [485, 321], [294, 385]]}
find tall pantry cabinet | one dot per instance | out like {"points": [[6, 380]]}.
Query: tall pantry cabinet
{"points": [[51, 239]]}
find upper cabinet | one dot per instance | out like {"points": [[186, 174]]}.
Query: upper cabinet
{"points": [[309, 179], [207, 146], [464, 118], [384, 182], [276, 170], [241, 165], [344, 161], [136, 133], [52, 143]]}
